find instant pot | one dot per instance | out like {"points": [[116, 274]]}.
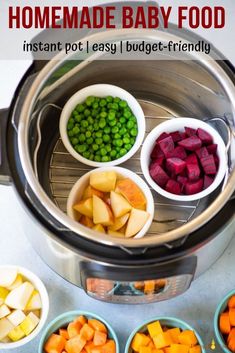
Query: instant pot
{"points": [[186, 238]]}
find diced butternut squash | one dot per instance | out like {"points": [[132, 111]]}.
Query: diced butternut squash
{"points": [[154, 328], [178, 348], [188, 338], [81, 319], [231, 345], [162, 340], [155, 350], [224, 323], [64, 333], [151, 344], [87, 332], [231, 302], [174, 333], [195, 349], [55, 344], [97, 325], [99, 338], [89, 346], [109, 347], [231, 334], [231, 314], [74, 328], [139, 340], [145, 349], [75, 344]]}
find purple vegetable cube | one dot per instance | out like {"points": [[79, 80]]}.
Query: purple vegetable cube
{"points": [[212, 149], [193, 171], [207, 181], [173, 187], [202, 152], [175, 165], [189, 131], [162, 136], [204, 136], [166, 145], [208, 164], [178, 152], [156, 152], [191, 159], [176, 136], [191, 143], [192, 188], [158, 175]]}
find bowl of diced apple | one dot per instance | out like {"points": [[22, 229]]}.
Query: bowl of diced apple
{"points": [[24, 306], [112, 200]]}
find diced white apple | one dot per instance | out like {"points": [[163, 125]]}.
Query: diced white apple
{"points": [[4, 311], [16, 317], [119, 222], [34, 301], [19, 297], [5, 327], [3, 294], [102, 214], [29, 323], [136, 221], [17, 282], [103, 181], [120, 206], [7, 276]]}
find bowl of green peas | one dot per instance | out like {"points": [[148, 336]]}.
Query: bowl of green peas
{"points": [[102, 125]]}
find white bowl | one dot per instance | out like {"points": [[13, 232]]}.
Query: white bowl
{"points": [[175, 125], [77, 190], [102, 90], [37, 283]]}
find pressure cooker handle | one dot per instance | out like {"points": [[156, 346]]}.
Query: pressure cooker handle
{"points": [[5, 178]]}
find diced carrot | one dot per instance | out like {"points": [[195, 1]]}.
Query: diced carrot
{"points": [[231, 344], [174, 333], [74, 328], [231, 314], [231, 302], [87, 332], [81, 319], [224, 323], [64, 333], [188, 338], [88, 347], [109, 347], [195, 349], [231, 334], [75, 344], [97, 325], [55, 343], [100, 338]]}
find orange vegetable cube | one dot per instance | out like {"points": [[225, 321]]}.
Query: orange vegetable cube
{"points": [[109, 347], [145, 349], [154, 350], [81, 319], [89, 346], [174, 333], [188, 338], [87, 332], [149, 286], [231, 334], [154, 328], [231, 314], [64, 333], [97, 325], [178, 348], [151, 344], [74, 329], [100, 338], [139, 340], [231, 344], [162, 340], [166, 350], [195, 349], [55, 343], [224, 323], [231, 302], [75, 344]]}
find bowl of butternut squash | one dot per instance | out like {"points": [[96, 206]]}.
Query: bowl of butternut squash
{"points": [[164, 335], [224, 323], [78, 332]]}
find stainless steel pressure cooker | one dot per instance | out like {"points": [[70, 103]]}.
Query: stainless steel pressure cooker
{"points": [[185, 237]]}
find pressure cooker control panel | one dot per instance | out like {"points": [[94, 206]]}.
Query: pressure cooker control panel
{"points": [[138, 285]]}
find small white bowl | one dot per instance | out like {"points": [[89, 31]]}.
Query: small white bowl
{"points": [[77, 190], [37, 283], [175, 125], [102, 90]]}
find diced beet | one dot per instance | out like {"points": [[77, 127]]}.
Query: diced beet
{"points": [[178, 152], [173, 187], [156, 152], [183, 181], [202, 152], [189, 131], [193, 171], [183, 173], [157, 161], [216, 158], [191, 159], [204, 136], [166, 145], [175, 165], [212, 149], [192, 188], [191, 143], [207, 181], [158, 175], [162, 136], [183, 135], [176, 136], [208, 164]]}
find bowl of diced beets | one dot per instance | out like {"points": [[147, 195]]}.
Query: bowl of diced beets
{"points": [[184, 159]]}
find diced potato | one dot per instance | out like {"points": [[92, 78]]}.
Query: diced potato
{"points": [[132, 193], [99, 228], [116, 234], [86, 221], [90, 191], [101, 212], [103, 181], [119, 222]]}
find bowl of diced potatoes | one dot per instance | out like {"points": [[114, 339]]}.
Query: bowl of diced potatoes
{"points": [[24, 306], [112, 200], [164, 335]]}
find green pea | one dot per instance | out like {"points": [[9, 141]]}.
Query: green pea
{"points": [[123, 104], [105, 159], [130, 124], [108, 148], [90, 100], [88, 134], [83, 129], [106, 138], [115, 106], [133, 132], [114, 129], [70, 133], [128, 146], [97, 158], [102, 123], [122, 131], [90, 120], [123, 151], [132, 140], [126, 140], [96, 126], [103, 152], [89, 141], [109, 99], [103, 115], [98, 141], [98, 134], [95, 147], [95, 106], [80, 108], [109, 105], [119, 142], [132, 118], [78, 118], [82, 138], [113, 153], [127, 114], [97, 153], [113, 122], [87, 112], [90, 128], [86, 154], [74, 141], [116, 99], [102, 102], [81, 148], [70, 126], [122, 120], [107, 130], [71, 121], [111, 115], [91, 157], [117, 136]]}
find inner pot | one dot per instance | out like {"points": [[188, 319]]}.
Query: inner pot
{"points": [[200, 88]]}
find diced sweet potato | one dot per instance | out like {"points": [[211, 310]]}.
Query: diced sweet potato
{"points": [[154, 328], [139, 340], [149, 286], [74, 328], [188, 338], [55, 344], [232, 316], [81, 319], [87, 332], [99, 338], [64, 333], [231, 344], [231, 334], [75, 344], [162, 340], [224, 323], [97, 325], [89, 346], [231, 302], [174, 333]]}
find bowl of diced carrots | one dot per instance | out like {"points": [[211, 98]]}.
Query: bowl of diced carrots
{"points": [[164, 335], [224, 323], [78, 332]]}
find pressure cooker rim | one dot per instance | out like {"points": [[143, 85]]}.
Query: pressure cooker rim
{"points": [[155, 240]]}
